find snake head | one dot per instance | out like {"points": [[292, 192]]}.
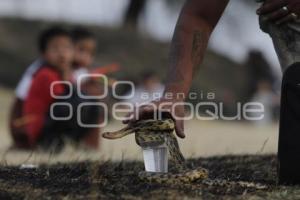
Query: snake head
{"points": [[118, 134]]}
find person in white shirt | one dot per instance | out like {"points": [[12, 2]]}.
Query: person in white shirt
{"points": [[23, 86]]}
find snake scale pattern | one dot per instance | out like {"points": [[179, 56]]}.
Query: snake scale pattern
{"points": [[158, 132]]}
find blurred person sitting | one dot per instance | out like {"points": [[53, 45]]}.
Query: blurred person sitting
{"points": [[21, 94], [265, 95], [85, 45], [84, 50], [149, 89], [84, 53], [36, 127]]}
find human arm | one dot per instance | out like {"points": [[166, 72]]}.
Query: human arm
{"points": [[197, 20]]}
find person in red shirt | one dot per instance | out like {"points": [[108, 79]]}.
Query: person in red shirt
{"points": [[63, 54], [39, 128], [26, 122], [56, 48], [39, 100]]}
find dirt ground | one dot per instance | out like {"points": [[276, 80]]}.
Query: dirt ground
{"points": [[112, 171]]}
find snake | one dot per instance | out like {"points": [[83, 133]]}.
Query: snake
{"points": [[149, 133]]}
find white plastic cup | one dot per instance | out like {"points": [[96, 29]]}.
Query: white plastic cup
{"points": [[156, 158]]}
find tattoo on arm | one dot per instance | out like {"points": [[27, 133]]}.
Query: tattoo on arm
{"points": [[178, 48], [198, 47]]}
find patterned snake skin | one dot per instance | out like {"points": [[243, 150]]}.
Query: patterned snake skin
{"points": [[157, 132]]}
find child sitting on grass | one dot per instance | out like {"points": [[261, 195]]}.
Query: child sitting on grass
{"points": [[40, 129], [84, 52], [85, 45], [56, 48]]}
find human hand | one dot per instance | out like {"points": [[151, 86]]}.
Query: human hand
{"points": [[163, 107], [280, 11]]}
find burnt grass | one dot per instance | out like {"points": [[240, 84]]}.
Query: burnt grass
{"points": [[118, 180]]}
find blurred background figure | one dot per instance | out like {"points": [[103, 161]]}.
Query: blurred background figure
{"points": [[149, 89], [134, 10], [262, 86], [84, 52], [258, 69], [56, 49], [28, 124], [266, 96], [21, 93]]}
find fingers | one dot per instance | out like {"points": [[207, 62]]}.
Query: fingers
{"points": [[271, 6], [127, 118], [288, 18], [150, 111], [143, 112], [179, 128], [278, 11], [277, 15]]}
